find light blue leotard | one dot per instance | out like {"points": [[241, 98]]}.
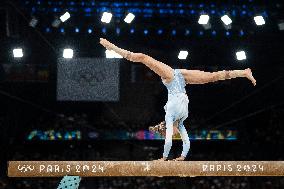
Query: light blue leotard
{"points": [[176, 109]]}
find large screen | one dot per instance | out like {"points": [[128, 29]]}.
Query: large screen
{"points": [[88, 79]]}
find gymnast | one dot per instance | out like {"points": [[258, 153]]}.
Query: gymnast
{"points": [[175, 80]]}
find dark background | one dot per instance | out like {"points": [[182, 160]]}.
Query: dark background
{"points": [[28, 89]]}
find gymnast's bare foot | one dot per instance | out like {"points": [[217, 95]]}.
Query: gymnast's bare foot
{"points": [[250, 76], [181, 158], [108, 45]]}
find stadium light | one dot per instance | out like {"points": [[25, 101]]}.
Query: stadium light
{"points": [[241, 55], [65, 17], [203, 19], [67, 53], [129, 18], [90, 30], [112, 54], [106, 17], [226, 20], [182, 55], [18, 53], [259, 20]]}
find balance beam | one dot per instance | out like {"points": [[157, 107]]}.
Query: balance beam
{"points": [[144, 168]]}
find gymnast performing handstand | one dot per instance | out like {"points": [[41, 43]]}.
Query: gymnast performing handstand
{"points": [[175, 80]]}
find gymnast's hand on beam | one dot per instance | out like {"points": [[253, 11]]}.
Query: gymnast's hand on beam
{"points": [[161, 159], [181, 158]]}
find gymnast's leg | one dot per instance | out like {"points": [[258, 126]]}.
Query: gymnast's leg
{"points": [[163, 70], [201, 77]]}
